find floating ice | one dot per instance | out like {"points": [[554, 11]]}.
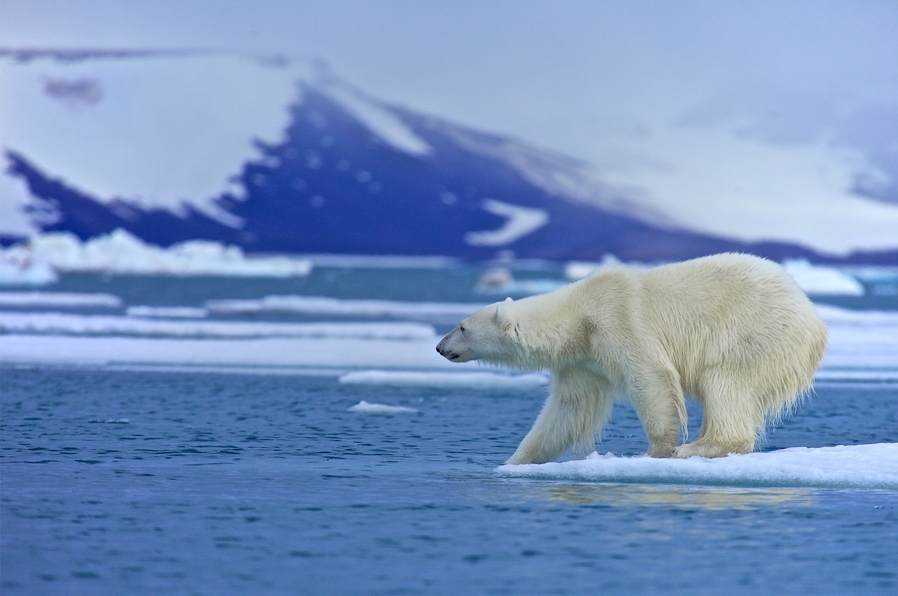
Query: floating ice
{"points": [[860, 339], [301, 352], [873, 375], [835, 316], [476, 380], [853, 466], [364, 407], [19, 322], [167, 312], [318, 305], [819, 280], [59, 300], [23, 272], [579, 269], [121, 252]]}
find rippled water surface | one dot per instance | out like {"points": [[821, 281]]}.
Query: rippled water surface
{"points": [[134, 482], [156, 479]]}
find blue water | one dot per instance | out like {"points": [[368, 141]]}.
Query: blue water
{"points": [[121, 482], [153, 482]]}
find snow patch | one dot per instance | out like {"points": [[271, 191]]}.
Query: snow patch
{"points": [[375, 116], [853, 466], [521, 222], [158, 131], [476, 380]]}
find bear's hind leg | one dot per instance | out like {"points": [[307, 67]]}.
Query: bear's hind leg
{"points": [[732, 420], [579, 405]]}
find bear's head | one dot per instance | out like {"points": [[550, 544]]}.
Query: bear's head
{"points": [[489, 335]]}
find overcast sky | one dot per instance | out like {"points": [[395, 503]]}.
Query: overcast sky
{"points": [[516, 65], [592, 79]]}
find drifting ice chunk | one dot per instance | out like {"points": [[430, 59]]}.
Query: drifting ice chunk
{"points": [[167, 312], [855, 466], [321, 305], [121, 252], [817, 280], [479, 380], [364, 407], [59, 300], [24, 272], [67, 324]]}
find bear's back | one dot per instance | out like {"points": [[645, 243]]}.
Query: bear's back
{"points": [[730, 307]]}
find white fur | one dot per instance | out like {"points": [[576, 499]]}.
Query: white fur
{"points": [[733, 331]]}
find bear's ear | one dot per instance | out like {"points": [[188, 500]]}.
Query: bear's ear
{"points": [[504, 321]]}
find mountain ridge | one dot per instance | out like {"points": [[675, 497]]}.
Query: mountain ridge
{"points": [[334, 184]]}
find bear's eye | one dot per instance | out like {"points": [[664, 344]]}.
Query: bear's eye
{"points": [[461, 328]]}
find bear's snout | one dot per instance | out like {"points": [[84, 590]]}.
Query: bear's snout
{"points": [[445, 353]]}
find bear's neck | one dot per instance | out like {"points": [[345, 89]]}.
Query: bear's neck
{"points": [[544, 340]]}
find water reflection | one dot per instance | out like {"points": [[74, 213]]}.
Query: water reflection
{"points": [[682, 497]]}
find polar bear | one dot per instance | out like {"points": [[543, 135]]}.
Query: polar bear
{"points": [[733, 331]]}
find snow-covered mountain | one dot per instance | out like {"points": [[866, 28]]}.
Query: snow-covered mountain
{"points": [[277, 158]]}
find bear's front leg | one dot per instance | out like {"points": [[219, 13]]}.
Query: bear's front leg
{"points": [[579, 405]]}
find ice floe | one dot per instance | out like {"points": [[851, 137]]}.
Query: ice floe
{"points": [[70, 324], [305, 352], [852, 466], [364, 407], [822, 281], [59, 300], [320, 305], [469, 380], [167, 312], [20, 271], [122, 252]]}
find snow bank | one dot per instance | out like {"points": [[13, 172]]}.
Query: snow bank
{"points": [[317, 305], [471, 380], [59, 300], [121, 252], [855, 466], [821, 281], [364, 407], [109, 325]]}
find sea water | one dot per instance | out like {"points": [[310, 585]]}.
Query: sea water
{"points": [[135, 475]]}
